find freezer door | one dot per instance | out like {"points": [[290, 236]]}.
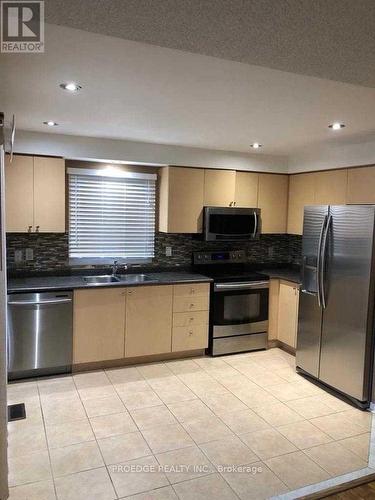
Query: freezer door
{"points": [[347, 319], [310, 311]]}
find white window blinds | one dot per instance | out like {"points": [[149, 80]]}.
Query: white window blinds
{"points": [[111, 216]]}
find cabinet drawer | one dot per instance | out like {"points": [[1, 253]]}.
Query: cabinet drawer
{"points": [[187, 338], [191, 290], [194, 303], [190, 319]]}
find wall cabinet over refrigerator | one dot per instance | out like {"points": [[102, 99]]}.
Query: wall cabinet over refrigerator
{"points": [[35, 194]]}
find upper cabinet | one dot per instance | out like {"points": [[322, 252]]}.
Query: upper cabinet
{"points": [[318, 188], [330, 187], [301, 193], [219, 188], [273, 202], [181, 200], [35, 194], [361, 185], [246, 189]]}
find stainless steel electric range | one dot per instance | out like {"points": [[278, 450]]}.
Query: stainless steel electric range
{"points": [[238, 303]]}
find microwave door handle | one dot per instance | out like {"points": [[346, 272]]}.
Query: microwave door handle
{"points": [[255, 224]]}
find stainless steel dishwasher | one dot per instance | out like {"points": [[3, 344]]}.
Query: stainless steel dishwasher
{"points": [[40, 333]]}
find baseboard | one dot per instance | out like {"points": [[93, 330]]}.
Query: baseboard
{"points": [[285, 347], [115, 363]]}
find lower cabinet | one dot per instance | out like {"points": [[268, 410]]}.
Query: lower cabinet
{"points": [[148, 320], [113, 323], [283, 312], [98, 324]]}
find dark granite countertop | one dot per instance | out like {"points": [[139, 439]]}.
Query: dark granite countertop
{"points": [[49, 283], [284, 273]]}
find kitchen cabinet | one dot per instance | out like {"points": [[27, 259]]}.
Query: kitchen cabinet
{"points": [[219, 188], [273, 202], [246, 189], [330, 187], [35, 194], [98, 324], [181, 200], [148, 320], [273, 308], [301, 193], [49, 194], [19, 194], [190, 317], [287, 320], [361, 185]]}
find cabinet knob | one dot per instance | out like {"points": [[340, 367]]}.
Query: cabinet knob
{"points": [[37, 229], [190, 333], [191, 319], [191, 305], [192, 290], [29, 229]]}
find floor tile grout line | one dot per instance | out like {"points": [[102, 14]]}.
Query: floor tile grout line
{"points": [[47, 443], [97, 444]]}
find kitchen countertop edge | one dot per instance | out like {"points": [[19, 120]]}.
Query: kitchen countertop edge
{"points": [[54, 283]]}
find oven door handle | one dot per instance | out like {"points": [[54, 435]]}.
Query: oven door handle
{"points": [[253, 285]]}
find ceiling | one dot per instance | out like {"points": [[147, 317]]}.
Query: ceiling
{"points": [[332, 39], [142, 92]]}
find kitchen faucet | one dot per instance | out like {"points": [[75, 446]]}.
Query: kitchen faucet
{"points": [[115, 267]]}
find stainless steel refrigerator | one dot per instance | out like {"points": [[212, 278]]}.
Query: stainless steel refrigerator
{"points": [[336, 309], [3, 404]]}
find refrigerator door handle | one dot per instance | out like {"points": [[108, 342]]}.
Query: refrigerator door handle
{"points": [[319, 261], [323, 263]]}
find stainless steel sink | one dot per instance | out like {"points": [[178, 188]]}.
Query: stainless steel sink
{"points": [[99, 280], [136, 278]]}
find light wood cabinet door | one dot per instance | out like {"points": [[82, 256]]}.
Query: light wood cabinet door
{"points": [[273, 202], [288, 313], [219, 188], [181, 200], [189, 338], [301, 193], [148, 320], [246, 194], [19, 194], [273, 309], [330, 187], [98, 324], [49, 195], [361, 185]]}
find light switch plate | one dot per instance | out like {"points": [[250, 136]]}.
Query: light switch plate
{"points": [[29, 254], [168, 251]]}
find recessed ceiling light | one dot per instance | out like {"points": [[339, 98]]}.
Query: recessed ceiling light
{"points": [[51, 123], [70, 86], [256, 145], [336, 126]]}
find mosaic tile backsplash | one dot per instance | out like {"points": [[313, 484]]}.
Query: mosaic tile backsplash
{"points": [[50, 250]]}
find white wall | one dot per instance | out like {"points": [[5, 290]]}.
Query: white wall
{"points": [[90, 148]]}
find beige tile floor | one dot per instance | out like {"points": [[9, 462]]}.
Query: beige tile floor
{"points": [[243, 426]]}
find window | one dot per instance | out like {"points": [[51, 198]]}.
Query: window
{"points": [[111, 216]]}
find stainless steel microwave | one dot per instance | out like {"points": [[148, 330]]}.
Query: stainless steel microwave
{"points": [[231, 224]]}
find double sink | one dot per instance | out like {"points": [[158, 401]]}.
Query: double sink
{"points": [[123, 278]]}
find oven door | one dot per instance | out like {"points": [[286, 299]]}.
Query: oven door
{"points": [[240, 308]]}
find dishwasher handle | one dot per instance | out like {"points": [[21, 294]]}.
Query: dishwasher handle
{"points": [[38, 303]]}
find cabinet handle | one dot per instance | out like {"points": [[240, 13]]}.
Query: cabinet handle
{"points": [[191, 319], [30, 228], [37, 229], [192, 290], [191, 305], [190, 332], [130, 292]]}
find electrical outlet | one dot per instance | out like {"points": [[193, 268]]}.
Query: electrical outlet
{"points": [[168, 251], [18, 256], [29, 254]]}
